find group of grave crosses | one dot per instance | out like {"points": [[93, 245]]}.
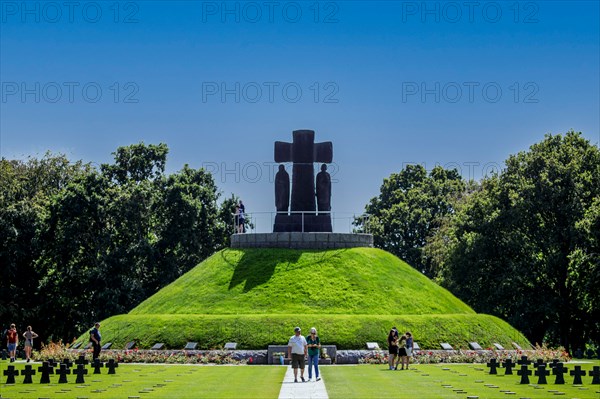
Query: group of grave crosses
{"points": [[557, 368], [63, 370]]}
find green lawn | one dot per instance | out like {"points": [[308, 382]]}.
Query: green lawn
{"points": [[364, 381], [442, 381], [156, 381]]}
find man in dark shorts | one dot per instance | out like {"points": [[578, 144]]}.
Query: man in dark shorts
{"points": [[297, 350]]}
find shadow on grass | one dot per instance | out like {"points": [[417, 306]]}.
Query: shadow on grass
{"points": [[257, 267]]}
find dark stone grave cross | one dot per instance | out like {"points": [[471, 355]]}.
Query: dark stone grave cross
{"points": [[46, 370], [541, 372], [67, 362], [52, 362], [539, 362], [523, 361], [559, 370], [97, 365], [554, 363], [111, 365], [62, 372], [80, 372], [577, 374], [28, 372], [508, 366], [524, 373], [10, 374], [492, 365], [81, 360], [596, 374]]}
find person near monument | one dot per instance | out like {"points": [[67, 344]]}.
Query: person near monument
{"points": [[409, 348], [314, 348], [402, 356], [29, 335], [323, 193], [297, 350], [242, 217], [95, 338], [282, 190], [12, 340], [392, 346]]}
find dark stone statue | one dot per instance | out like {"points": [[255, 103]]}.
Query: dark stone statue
{"points": [[282, 190], [323, 190], [303, 152]]}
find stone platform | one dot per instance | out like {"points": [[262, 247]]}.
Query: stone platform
{"points": [[297, 240]]}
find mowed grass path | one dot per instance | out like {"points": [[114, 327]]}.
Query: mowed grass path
{"points": [[441, 381], [364, 381]]}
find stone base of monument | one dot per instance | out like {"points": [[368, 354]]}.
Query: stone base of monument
{"points": [[302, 223], [297, 240]]}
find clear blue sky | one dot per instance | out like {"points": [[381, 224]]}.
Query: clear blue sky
{"points": [[461, 84]]}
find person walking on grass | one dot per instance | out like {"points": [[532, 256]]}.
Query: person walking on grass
{"points": [[314, 349], [392, 347], [12, 340], [409, 348], [297, 350], [29, 335]]}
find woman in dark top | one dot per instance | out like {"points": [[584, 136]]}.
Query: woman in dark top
{"points": [[392, 346], [402, 356]]}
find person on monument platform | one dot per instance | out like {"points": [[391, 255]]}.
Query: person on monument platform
{"points": [[323, 190], [12, 339], [95, 338], [242, 218], [297, 350], [282, 190]]}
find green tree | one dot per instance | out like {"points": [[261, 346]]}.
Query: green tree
{"points": [[410, 207], [525, 247]]}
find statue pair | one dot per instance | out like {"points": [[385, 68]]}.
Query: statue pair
{"points": [[282, 191]]}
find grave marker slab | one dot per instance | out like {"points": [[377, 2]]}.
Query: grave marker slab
{"points": [[372, 346], [190, 346], [541, 372], [524, 372], [62, 372], [67, 362], [524, 361], [446, 346], [80, 371], [76, 346], [106, 346], [577, 374], [28, 372], [559, 370], [498, 346], [10, 374], [475, 346], [539, 362], [130, 345], [81, 360], [231, 345], [158, 346]]}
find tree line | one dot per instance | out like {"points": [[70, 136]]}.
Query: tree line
{"points": [[522, 244], [79, 243]]}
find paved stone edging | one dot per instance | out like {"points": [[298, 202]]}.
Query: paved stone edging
{"points": [[295, 390]]}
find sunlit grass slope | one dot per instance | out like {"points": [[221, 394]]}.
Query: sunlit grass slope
{"points": [[256, 296]]}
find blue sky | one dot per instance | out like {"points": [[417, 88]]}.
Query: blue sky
{"points": [[460, 84]]}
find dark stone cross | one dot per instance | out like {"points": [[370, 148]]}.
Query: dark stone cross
{"points": [[554, 363], [67, 362], [559, 370], [46, 370], [596, 374], [81, 360], [10, 374], [62, 372], [524, 373], [523, 361], [303, 152], [541, 372], [80, 371], [28, 372], [539, 362], [508, 366], [492, 365], [577, 374], [97, 365], [111, 365], [52, 362]]}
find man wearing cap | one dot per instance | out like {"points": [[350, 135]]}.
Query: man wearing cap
{"points": [[297, 350]]}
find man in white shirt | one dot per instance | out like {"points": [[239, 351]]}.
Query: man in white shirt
{"points": [[297, 350]]}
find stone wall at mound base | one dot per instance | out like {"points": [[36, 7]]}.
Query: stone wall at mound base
{"points": [[297, 240]]}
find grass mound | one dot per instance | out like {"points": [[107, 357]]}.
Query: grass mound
{"points": [[256, 296]]}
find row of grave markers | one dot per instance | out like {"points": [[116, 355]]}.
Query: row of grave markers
{"points": [[47, 368], [557, 368]]}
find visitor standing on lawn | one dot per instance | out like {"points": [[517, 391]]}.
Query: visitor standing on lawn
{"points": [[12, 339], [95, 338], [297, 350], [392, 346], [29, 335], [314, 349]]}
